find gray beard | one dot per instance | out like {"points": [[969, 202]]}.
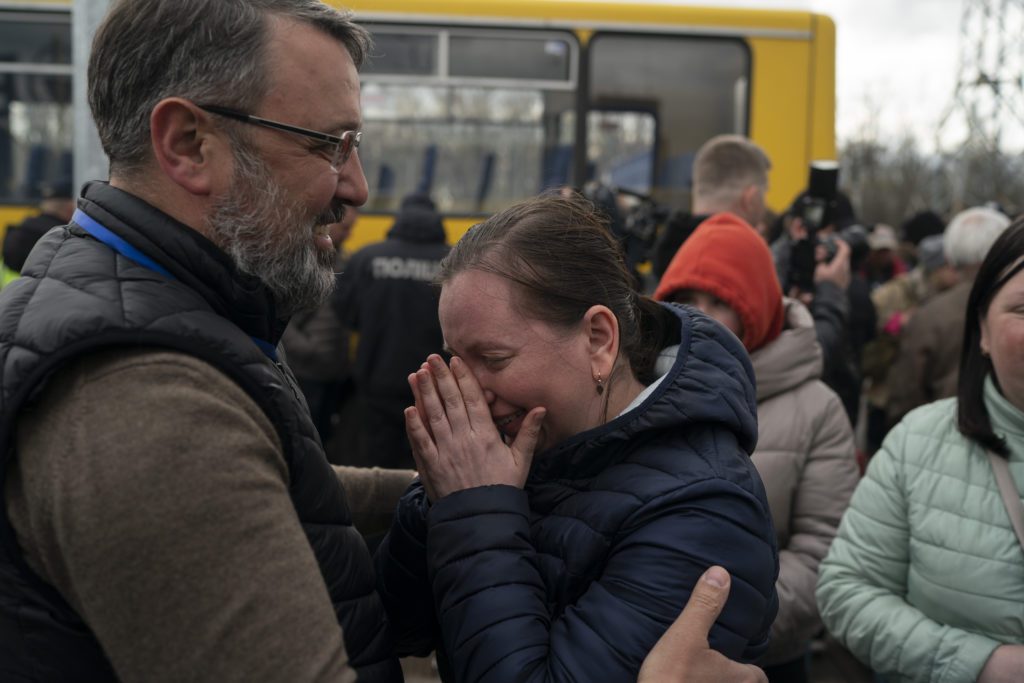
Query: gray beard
{"points": [[269, 237]]}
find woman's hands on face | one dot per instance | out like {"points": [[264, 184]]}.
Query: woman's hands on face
{"points": [[454, 440]]}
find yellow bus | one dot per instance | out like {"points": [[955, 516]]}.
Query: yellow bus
{"points": [[482, 103]]}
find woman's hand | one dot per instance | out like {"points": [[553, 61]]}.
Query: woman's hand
{"points": [[1006, 664], [453, 437]]}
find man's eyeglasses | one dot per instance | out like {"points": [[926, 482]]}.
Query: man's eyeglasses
{"points": [[337, 149]]}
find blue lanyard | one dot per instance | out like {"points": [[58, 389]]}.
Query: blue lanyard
{"points": [[94, 228], [104, 235]]}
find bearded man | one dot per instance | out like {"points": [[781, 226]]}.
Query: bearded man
{"points": [[168, 513]]}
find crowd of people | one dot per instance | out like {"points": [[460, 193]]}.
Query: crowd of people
{"points": [[235, 451]]}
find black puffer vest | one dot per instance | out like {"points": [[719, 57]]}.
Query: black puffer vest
{"points": [[162, 285]]}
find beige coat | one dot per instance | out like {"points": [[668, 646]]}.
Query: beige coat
{"points": [[805, 455]]}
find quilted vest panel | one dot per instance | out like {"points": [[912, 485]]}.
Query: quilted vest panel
{"points": [[78, 295]]}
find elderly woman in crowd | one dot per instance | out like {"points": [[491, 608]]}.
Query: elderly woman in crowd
{"points": [[925, 581], [805, 452]]}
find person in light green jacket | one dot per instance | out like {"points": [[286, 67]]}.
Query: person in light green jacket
{"points": [[925, 581]]}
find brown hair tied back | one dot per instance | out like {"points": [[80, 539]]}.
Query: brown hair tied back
{"points": [[561, 254]]}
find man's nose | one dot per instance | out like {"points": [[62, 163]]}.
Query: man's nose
{"points": [[352, 188]]}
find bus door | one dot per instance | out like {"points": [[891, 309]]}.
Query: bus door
{"points": [[653, 100]]}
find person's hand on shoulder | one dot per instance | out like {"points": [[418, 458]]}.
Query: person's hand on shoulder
{"points": [[683, 655]]}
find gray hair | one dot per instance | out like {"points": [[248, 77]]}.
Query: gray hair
{"points": [[725, 166], [970, 235], [208, 51]]}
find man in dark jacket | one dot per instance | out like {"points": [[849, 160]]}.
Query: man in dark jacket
{"points": [[386, 294], [168, 513]]}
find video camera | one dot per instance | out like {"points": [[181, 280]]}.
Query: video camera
{"points": [[816, 209], [633, 221]]}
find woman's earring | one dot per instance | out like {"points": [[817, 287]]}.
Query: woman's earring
{"points": [[600, 384]]}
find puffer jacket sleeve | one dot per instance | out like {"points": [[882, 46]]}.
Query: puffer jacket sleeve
{"points": [[863, 583], [402, 581], [825, 486], [498, 625]]}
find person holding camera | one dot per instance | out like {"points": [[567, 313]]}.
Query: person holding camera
{"points": [[813, 263]]}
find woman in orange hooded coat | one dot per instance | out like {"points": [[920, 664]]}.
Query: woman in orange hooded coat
{"points": [[805, 452]]}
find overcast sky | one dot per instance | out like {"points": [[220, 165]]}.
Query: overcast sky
{"points": [[896, 61], [896, 64]]}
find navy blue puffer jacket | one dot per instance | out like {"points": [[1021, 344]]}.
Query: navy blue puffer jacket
{"points": [[576, 577]]}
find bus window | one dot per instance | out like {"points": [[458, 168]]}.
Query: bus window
{"points": [[520, 58], [35, 103], [692, 88], [620, 148], [489, 119], [404, 54]]}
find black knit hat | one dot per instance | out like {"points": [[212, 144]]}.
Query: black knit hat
{"points": [[921, 225]]}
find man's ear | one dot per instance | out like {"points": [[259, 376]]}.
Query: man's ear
{"points": [[602, 329], [748, 200], [186, 145]]}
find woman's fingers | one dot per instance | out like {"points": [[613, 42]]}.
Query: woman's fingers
{"points": [[526, 440], [419, 440], [431, 405], [418, 399], [450, 393], [424, 453], [477, 410]]}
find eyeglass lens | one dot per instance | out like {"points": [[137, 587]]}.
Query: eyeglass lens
{"points": [[349, 141]]}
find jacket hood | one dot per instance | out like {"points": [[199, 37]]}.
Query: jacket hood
{"points": [[711, 382], [726, 258], [793, 358], [418, 221]]}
